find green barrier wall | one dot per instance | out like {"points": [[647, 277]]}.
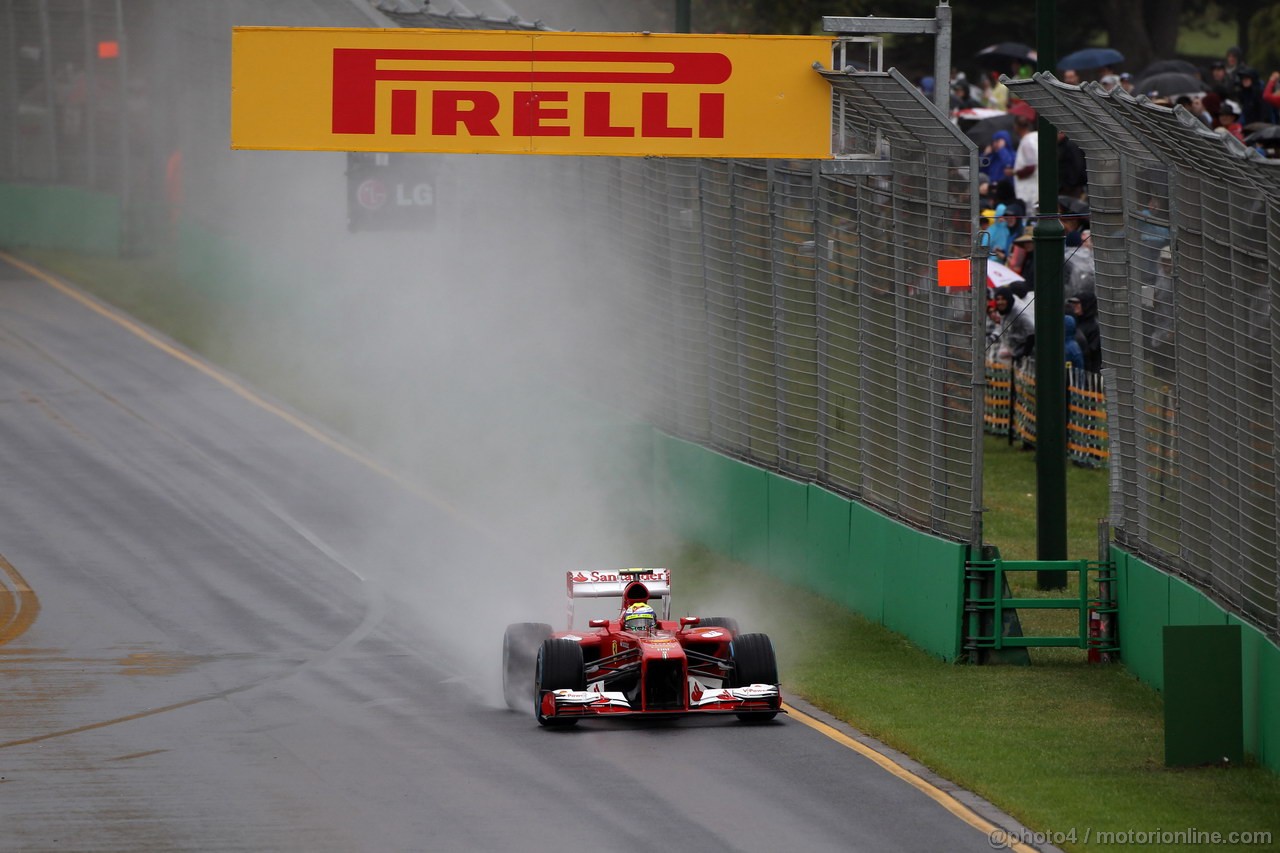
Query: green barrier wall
{"points": [[1151, 599], [60, 218], [889, 572]]}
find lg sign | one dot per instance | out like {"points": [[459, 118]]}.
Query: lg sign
{"points": [[505, 92], [372, 194], [458, 104], [389, 192]]}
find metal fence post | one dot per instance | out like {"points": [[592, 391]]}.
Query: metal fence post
{"points": [[821, 283], [51, 106]]}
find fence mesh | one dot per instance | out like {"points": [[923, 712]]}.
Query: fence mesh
{"points": [[800, 323], [63, 91], [1188, 285]]}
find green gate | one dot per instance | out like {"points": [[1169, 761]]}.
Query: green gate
{"points": [[988, 604]]}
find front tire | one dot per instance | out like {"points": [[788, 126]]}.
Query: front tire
{"points": [[519, 652], [754, 663], [559, 667], [727, 622]]}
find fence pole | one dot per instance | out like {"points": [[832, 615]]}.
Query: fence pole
{"points": [[1051, 393], [978, 271]]}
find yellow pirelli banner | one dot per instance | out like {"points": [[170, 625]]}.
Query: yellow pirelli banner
{"points": [[502, 92]]}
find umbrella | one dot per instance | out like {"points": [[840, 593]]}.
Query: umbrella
{"points": [[1168, 84], [1090, 58], [1161, 66], [1073, 205], [1024, 109], [1006, 52], [982, 131], [977, 113], [998, 275], [1267, 133]]}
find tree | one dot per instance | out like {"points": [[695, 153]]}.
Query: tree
{"points": [[1143, 30]]}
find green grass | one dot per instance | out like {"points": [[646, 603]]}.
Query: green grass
{"points": [[1210, 36], [1060, 745], [1009, 492]]}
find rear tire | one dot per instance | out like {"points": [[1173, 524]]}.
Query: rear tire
{"points": [[754, 663], [727, 622], [519, 653], [559, 667]]}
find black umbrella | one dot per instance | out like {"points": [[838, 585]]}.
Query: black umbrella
{"points": [[1073, 205], [1006, 52], [982, 130], [1090, 58], [1268, 133], [1168, 84], [1162, 66]]}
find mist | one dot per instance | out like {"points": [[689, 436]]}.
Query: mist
{"points": [[456, 355]]}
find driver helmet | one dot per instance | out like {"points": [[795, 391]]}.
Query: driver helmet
{"points": [[639, 617]]}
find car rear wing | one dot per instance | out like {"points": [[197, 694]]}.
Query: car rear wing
{"points": [[613, 583]]}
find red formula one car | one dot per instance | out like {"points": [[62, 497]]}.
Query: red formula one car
{"points": [[638, 662]]}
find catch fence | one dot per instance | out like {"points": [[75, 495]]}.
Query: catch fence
{"points": [[800, 323], [1188, 283]]}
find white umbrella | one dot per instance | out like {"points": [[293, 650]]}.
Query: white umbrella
{"points": [[978, 113], [998, 275]]}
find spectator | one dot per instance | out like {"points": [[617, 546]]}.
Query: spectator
{"points": [[1212, 101], [1001, 232], [1071, 77], [1218, 82], [1157, 302], [961, 98], [995, 95], [1234, 65], [1074, 217], [1249, 97], [1197, 109], [1271, 94], [1078, 272], [1026, 183], [998, 157], [1017, 336], [1077, 335], [1229, 119], [1073, 176], [1074, 356], [1022, 261], [1084, 307], [1126, 83], [1109, 82]]}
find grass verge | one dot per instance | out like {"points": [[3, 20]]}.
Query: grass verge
{"points": [[1063, 746]]}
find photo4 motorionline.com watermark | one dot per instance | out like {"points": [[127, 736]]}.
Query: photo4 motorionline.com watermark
{"points": [[1002, 839]]}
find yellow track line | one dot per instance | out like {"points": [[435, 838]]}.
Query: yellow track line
{"points": [[948, 802], [930, 790], [23, 598]]}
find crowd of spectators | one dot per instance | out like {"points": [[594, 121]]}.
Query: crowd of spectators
{"points": [[1231, 99]]}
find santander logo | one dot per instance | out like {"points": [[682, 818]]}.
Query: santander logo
{"points": [[614, 577]]}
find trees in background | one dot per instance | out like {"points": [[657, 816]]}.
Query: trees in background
{"points": [[1143, 30]]}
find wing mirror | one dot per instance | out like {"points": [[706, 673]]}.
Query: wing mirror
{"points": [[688, 621], [598, 623]]}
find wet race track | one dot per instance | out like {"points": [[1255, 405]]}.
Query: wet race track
{"points": [[212, 640]]}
